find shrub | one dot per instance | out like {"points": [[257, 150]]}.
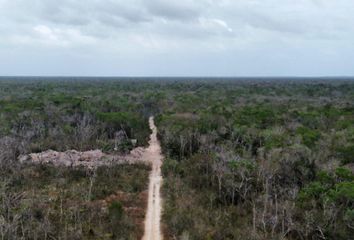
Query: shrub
{"points": [[346, 154], [343, 192], [309, 136], [115, 211], [313, 191], [344, 174]]}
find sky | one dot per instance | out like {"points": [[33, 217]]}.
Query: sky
{"points": [[177, 37]]}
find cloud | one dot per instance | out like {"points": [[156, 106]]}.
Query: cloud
{"points": [[183, 10], [61, 37], [183, 29], [215, 24]]}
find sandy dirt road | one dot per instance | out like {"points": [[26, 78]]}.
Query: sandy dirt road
{"points": [[153, 214]]}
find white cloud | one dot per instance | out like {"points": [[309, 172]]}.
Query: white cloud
{"points": [[46, 32], [215, 24], [61, 37]]}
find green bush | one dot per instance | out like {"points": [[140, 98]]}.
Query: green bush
{"points": [[346, 154], [309, 136], [116, 211], [313, 191], [349, 217], [343, 192], [116, 118], [344, 174], [324, 177]]}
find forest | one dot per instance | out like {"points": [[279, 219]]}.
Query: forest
{"points": [[244, 158]]}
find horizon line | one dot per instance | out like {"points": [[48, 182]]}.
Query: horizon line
{"points": [[172, 76]]}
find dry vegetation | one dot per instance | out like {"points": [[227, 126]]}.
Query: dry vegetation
{"points": [[44, 201], [245, 159], [259, 160]]}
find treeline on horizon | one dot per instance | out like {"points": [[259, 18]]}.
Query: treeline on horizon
{"points": [[244, 159]]}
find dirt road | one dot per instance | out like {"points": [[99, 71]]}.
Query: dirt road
{"points": [[153, 215]]}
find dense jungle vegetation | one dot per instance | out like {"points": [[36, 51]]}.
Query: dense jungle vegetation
{"points": [[259, 160], [244, 158]]}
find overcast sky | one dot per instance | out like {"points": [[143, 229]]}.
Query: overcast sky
{"points": [[177, 37]]}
